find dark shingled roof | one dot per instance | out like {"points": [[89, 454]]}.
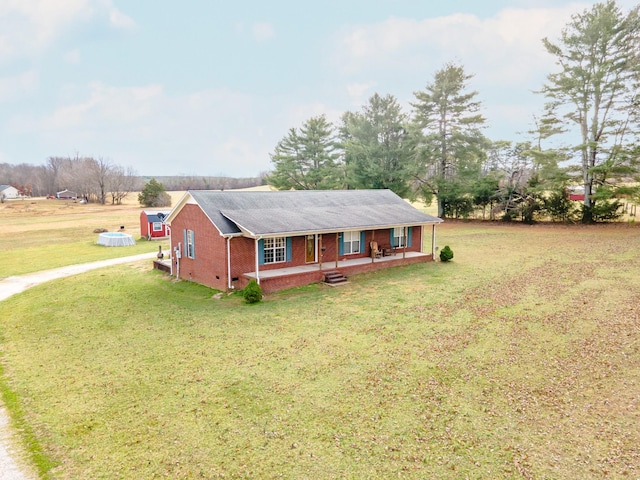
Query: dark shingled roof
{"points": [[156, 215], [307, 211]]}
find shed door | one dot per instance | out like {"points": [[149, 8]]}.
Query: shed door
{"points": [[311, 249]]}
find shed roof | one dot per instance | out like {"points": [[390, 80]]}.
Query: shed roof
{"points": [[298, 212], [156, 215]]}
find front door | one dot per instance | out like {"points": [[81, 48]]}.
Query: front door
{"points": [[311, 249]]}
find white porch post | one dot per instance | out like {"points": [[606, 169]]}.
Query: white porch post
{"points": [[406, 241], [421, 238], [257, 262], [433, 241], [373, 238]]}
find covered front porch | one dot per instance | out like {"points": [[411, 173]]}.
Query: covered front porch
{"points": [[288, 277]]}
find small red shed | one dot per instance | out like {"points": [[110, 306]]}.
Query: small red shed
{"points": [[152, 224], [576, 193]]}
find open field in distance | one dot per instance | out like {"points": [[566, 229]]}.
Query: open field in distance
{"points": [[39, 234]]}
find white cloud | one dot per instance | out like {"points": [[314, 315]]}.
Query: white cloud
{"points": [[106, 105], [505, 48], [259, 31], [213, 131], [358, 92], [118, 19], [15, 87], [262, 31], [72, 56], [28, 26]]}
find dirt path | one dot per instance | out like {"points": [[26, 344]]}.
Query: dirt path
{"points": [[12, 465]]}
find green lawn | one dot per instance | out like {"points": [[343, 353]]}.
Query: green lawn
{"points": [[519, 359]]}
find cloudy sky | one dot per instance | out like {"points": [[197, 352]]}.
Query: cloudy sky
{"points": [[205, 87]]}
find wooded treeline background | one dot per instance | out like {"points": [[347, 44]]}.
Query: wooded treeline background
{"points": [[99, 180], [437, 151]]}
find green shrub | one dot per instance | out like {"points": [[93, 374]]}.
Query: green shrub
{"points": [[446, 254], [154, 195], [252, 293]]}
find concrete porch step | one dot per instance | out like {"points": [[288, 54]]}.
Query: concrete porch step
{"points": [[334, 277]]}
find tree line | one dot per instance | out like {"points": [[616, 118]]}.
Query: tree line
{"points": [[93, 179], [100, 180], [437, 151]]}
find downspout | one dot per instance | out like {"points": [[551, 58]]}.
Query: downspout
{"points": [[321, 251], [257, 261], [229, 263], [421, 238], [170, 254], [178, 255]]}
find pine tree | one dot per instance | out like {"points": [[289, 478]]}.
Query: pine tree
{"points": [[447, 115], [306, 158], [595, 92]]}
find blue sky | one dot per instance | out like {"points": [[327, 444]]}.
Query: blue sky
{"points": [[203, 87]]}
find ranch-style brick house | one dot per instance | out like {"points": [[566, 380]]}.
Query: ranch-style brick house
{"points": [[283, 239]]}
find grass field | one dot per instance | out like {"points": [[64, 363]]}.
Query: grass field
{"points": [[519, 359], [39, 234]]}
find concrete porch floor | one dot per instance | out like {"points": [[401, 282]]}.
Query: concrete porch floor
{"points": [[331, 265]]}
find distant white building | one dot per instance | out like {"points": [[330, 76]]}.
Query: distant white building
{"points": [[8, 192]]}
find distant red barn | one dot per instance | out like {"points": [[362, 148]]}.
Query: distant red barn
{"points": [[576, 193], [152, 224]]}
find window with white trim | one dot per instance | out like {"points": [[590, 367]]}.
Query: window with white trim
{"points": [[191, 252], [399, 240], [351, 242], [275, 250], [157, 226]]}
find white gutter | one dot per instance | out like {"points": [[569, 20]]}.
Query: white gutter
{"points": [[178, 253], [170, 252]]}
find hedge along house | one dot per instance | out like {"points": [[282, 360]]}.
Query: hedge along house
{"points": [[223, 239], [152, 224]]}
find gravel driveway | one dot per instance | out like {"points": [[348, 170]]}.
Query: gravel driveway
{"points": [[12, 466]]}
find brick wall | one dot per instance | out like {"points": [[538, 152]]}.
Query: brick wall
{"points": [[209, 267], [210, 264], [273, 284]]}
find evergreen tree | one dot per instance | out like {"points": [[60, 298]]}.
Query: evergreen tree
{"points": [[377, 146], [307, 159], [154, 195], [447, 115], [595, 92]]}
